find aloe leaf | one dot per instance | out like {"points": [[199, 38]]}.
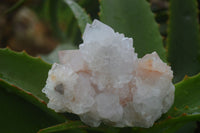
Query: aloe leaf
{"points": [[179, 127], [21, 74], [189, 127], [135, 19], [14, 80], [24, 71], [186, 106], [19, 116], [183, 38], [29, 97], [79, 13], [66, 126], [187, 103], [63, 127]]}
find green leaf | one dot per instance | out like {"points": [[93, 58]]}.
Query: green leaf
{"points": [[79, 13], [25, 76], [178, 127], [79, 125], [189, 127], [63, 127], [183, 38], [19, 116], [20, 74], [23, 71], [29, 97], [135, 19], [187, 103]]}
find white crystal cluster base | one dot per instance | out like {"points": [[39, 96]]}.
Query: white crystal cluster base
{"points": [[105, 81]]}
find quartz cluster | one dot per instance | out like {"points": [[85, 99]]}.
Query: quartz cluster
{"points": [[105, 81]]}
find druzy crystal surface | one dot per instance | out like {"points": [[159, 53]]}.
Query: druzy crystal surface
{"points": [[105, 81]]}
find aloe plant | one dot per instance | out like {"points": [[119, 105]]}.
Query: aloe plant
{"points": [[22, 77]]}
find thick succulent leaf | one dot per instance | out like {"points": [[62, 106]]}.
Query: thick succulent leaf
{"points": [[179, 127], [29, 97], [19, 116], [189, 127], [28, 105], [63, 127], [135, 19], [183, 38], [23, 71], [66, 126], [79, 13], [187, 103]]}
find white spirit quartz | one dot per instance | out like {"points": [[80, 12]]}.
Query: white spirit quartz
{"points": [[105, 81]]}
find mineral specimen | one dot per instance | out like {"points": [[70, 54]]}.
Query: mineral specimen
{"points": [[105, 81]]}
